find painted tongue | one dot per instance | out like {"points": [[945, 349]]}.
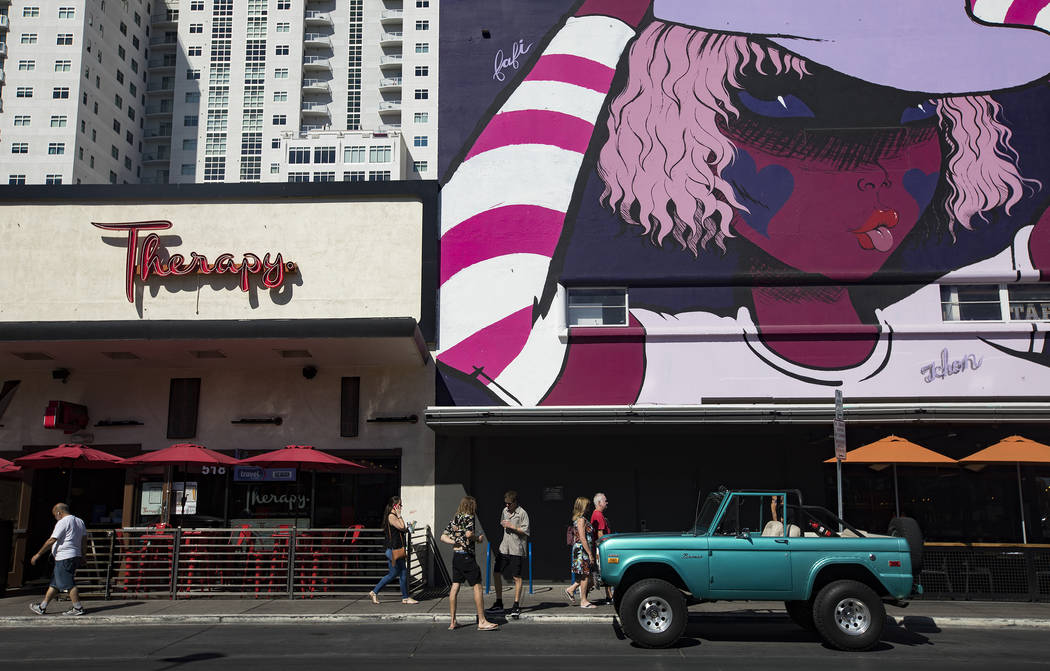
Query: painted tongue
{"points": [[881, 238]]}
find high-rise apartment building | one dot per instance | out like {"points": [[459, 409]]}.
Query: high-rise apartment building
{"points": [[218, 90]]}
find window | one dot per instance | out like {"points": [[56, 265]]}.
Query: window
{"points": [[422, 3], [26, 66], [281, 50], [116, 127], [118, 101], [421, 94], [189, 144], [121, 52], [325, 155], [16, 179], [379, 154], [197, 6], [420, 141], [56, 148], [58, 121], [324, 176], [353, 155], [193, 73], [280, 73], [112, 177], [114, 152], [67, 12], [134, 65], [194, 51], [354, 176], [422, 25], [995, 302], [298, 177], [60, 92], [22, 119], [24, 92], [28, 38], [421, 117], [64, 39], [190, 120], [284, 27], [63, 66], [379, 176], [422, 47], [298, 154], [275, 168], [188, 169], [129, 137], [196, 28], [280, 119], [120, 77], [597, 307], [131, 113], [135, 41], [30, 12], [19, 147], [422, 71], [123, 28], [284, 4], [275, 143], [419, 166], [280, 96], [193, 96]]}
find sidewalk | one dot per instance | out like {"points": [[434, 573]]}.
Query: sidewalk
{"points": [[547, 604]]}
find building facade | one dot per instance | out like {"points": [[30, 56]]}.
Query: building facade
{"points": [[670, 234], [219, 91]]}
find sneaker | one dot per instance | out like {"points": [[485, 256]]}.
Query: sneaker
{"points": [[35, 607], [515, 612], [74, 611], [495, 608]]}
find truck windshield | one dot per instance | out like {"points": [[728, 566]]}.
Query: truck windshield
{"points": [[707, 513]]}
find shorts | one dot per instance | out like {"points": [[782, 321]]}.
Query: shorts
{"points": [[63, 577], [465, 569], [511, 566]]}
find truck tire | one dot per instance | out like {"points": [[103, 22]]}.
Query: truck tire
{"points": [[849, 615], [908, 529], [653, 613], [801, 613]]}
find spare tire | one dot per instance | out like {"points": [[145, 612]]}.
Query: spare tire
{"points": [[908, 529]]}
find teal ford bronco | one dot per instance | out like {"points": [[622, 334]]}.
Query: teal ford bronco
{"points": [[832, 577]]}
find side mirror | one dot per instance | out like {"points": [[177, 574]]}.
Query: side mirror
{"points": [[744, 533]]}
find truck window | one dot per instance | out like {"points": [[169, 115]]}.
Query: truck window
{"points": [[745, 512]]}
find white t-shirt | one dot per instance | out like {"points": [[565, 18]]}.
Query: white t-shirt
{"points": [[68, 535]]}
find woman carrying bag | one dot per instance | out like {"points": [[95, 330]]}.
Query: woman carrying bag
{"points": [[394, 527]]}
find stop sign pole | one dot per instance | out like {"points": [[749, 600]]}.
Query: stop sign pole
{"points": [[840, 445]]}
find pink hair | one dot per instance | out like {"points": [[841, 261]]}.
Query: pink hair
{"points": [[662, 164]]}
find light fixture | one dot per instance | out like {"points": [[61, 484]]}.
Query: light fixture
{"points": [[60, 374]]}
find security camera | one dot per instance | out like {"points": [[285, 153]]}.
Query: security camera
{"points": [[309, 372]]}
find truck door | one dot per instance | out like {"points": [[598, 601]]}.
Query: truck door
{"points": [[742, 559]]}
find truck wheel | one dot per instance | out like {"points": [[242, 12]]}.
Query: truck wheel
{"points": [[908, 528], [801, 613], [653, 613], [849, 615]]}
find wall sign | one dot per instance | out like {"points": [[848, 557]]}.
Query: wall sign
{"points": [[145, 261], [256, 474]]}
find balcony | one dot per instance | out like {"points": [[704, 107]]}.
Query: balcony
{"points": [[390, 84], [158, 110], [4, 22], [390, 107], [391, 16], [315, 109], [316, 86], [162, 88], [158, 133], [3, 49], [164, 64], [317, 40], [148, 159], [166, 19], [314, 17], [317, 63], [393, 60], [391, 38], [163, 42], [3, 77]]}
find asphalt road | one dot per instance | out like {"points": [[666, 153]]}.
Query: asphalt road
{"points": [[524, 645]]}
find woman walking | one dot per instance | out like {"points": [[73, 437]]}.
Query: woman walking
{"points": [[394, 527], [461, 534], [582, 550]]}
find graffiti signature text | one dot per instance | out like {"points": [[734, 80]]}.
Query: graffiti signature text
{"points": [[938, 371], [503, 61]]}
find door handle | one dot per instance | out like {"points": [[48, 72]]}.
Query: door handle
{"points": [[781, 540]]}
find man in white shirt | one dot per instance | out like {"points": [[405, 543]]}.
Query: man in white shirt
{"points": [[67, 546], [512, 554]]}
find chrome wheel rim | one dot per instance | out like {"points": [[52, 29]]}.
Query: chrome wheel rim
{"points": [[852, 616], [654, 615]]}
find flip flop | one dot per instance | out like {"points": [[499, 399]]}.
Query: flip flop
{"points": [[588, 605], [571, 597], [494, 627]]}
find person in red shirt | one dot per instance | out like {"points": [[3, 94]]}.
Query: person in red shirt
{"points": [[601, 527]]}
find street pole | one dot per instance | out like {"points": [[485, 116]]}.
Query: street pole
{"points": [[840, 446]]}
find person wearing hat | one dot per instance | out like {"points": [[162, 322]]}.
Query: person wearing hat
{"points": [[801, 139]]}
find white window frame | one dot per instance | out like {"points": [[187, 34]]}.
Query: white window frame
{"points": [[1005, 312], [572, 293]]}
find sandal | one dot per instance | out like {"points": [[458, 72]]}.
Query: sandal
{"points": [[587, 605], [571, 597], [409, 601], [492, 627], [374, 598]]}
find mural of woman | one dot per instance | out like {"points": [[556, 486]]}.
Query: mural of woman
{"points": [[808, 138]]}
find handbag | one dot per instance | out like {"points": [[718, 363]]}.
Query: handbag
{"points": [[395, 553]]}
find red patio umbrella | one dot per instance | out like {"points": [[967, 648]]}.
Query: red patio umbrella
{"points": [[8, 467], [185, 454], [71, 456], [304, 457]]}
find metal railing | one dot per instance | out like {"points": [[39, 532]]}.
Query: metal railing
{"points": [[248, 562], [988, 572]]}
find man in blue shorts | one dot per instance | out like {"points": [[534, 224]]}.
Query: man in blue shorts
{"points": [[67, 546]]}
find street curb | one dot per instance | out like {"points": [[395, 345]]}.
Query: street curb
{"points": [[260, 619]]}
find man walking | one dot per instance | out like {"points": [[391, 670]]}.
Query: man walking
{"points": [[512, 553], [67, 546], [601, 528]]}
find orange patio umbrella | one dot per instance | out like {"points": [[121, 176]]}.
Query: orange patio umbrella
{"points": [[1015, 450], [895, 450]]}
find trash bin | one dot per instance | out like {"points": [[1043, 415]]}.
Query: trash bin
{"points": [[7, 532]]}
